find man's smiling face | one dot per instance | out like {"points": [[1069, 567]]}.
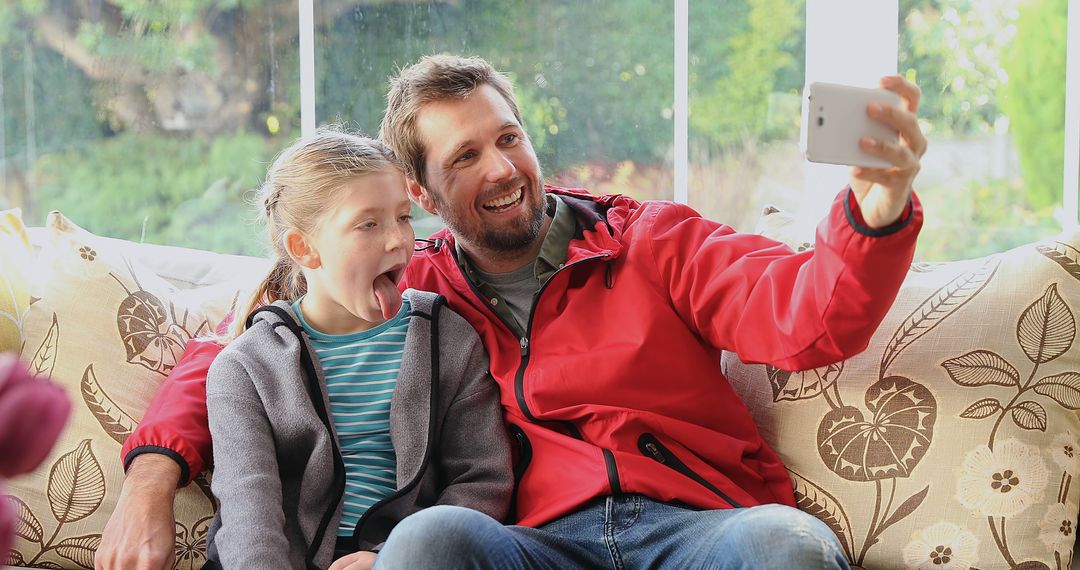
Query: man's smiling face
{"points": [[482, 174]]}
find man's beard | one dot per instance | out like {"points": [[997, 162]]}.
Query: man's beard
{"points": [[514, 238]]}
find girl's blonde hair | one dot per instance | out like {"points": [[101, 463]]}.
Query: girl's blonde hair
{"points": [[300, 188]]}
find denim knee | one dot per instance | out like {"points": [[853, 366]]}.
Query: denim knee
{"points": [[804, 538], [429, 538]]}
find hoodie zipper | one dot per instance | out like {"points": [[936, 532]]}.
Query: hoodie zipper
{"points": [[434, 404], [316, 394], [651, 447]]}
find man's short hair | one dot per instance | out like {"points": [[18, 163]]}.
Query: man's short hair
{"points": [[433, 78]]}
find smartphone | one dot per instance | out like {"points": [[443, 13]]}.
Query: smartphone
{"points": [[834, 119]]}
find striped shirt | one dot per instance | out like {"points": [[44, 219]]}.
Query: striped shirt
{"points": [[361, 372]]}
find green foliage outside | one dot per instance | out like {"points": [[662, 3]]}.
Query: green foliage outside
{"points": [[1034, 98], [197, 197]]}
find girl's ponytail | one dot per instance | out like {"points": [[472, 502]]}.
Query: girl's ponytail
{"points": [[284, 281]]}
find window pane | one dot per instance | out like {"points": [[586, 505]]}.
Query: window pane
{"points": [[746, 76], [992, 73], [146, 121], [594, 79]]}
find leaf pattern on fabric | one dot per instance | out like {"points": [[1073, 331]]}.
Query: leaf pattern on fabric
{"points": [[27, 526], [1065, 255], [44, 359], [1046, 328], [114, 420], [891, 443], [14, 558], [983, 408], [80, 549], [814, 499], [153, 336], [1062, 388], [981, 367], [802, 385], [905, 509], [76, 484], [191, 544], [1030, 415], [942, 303], [149, 338]]}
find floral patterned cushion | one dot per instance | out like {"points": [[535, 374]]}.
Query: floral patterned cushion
{"points": [[14, 289], [109, 331], [952, 441]]}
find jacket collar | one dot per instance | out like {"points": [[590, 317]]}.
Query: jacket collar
{"points": [[599, 223]]}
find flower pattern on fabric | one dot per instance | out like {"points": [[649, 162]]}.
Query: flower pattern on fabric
{"points": [[1004, 481], [1065, 451], [1057, 530], [942, 546]]}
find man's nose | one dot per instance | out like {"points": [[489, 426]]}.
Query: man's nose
{"points": [[499, 166]]}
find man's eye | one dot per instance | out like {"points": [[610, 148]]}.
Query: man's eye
{"points": [[466, 156], [510, 138]]}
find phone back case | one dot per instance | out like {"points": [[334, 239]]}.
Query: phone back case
{"points": [[835, 119]]}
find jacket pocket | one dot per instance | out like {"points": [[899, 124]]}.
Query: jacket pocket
{"points": [[524, 451], [651, 447]]}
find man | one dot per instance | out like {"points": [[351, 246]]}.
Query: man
{"points": [[604, 319]]}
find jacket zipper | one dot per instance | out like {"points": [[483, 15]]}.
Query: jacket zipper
{"points": [[434, 404], [651, 447], [519, 379]]}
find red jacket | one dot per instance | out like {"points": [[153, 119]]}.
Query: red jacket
{"points": [[616, 386]]}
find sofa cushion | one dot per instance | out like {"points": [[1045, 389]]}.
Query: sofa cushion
{"points": [[108, 330], [952, 441], [14, 288]]}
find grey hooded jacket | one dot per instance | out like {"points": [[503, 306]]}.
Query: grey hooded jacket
{"points": [[266, 391]]}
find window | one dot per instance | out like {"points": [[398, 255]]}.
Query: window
{"points": [[154, 121], [593, 81], [993, 79], [146, 121]]}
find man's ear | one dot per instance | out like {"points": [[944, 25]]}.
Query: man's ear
{"points": [[421, 197], [301, 250]]}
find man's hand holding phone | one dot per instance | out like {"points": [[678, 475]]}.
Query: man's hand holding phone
{"points": [[890, 161], [883, 193]]}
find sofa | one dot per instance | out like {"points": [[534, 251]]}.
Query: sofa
{"points": [[951, 442]]}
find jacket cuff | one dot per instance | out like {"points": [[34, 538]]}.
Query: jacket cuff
{"points": [[855, 217], [185, 470]]}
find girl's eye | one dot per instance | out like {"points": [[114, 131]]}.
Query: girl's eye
{"points": [[367, 226], [406, 218]]}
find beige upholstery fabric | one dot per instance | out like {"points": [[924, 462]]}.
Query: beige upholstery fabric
{"points": [[109, 331], [953, 440]]}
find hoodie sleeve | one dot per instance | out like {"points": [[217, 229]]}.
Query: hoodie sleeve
{"points": [[474, 444], [754, 296], [246, 480]]}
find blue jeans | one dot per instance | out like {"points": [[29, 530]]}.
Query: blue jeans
{"points": [[625, 531]]}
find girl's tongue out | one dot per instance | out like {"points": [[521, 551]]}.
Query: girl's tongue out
{"points": [[388, 296]]}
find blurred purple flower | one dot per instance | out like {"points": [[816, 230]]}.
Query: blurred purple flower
{"points": [[33, 412]]}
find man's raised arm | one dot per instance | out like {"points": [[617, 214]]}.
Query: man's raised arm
{"points": [[170, 446]]}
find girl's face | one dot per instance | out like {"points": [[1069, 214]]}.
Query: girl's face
{"points": [[360, 251]]}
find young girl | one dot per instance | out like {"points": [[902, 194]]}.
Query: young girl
{"points": [[345, 406]]}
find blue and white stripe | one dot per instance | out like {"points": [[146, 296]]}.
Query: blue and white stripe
{"points": [[361, 372]]}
